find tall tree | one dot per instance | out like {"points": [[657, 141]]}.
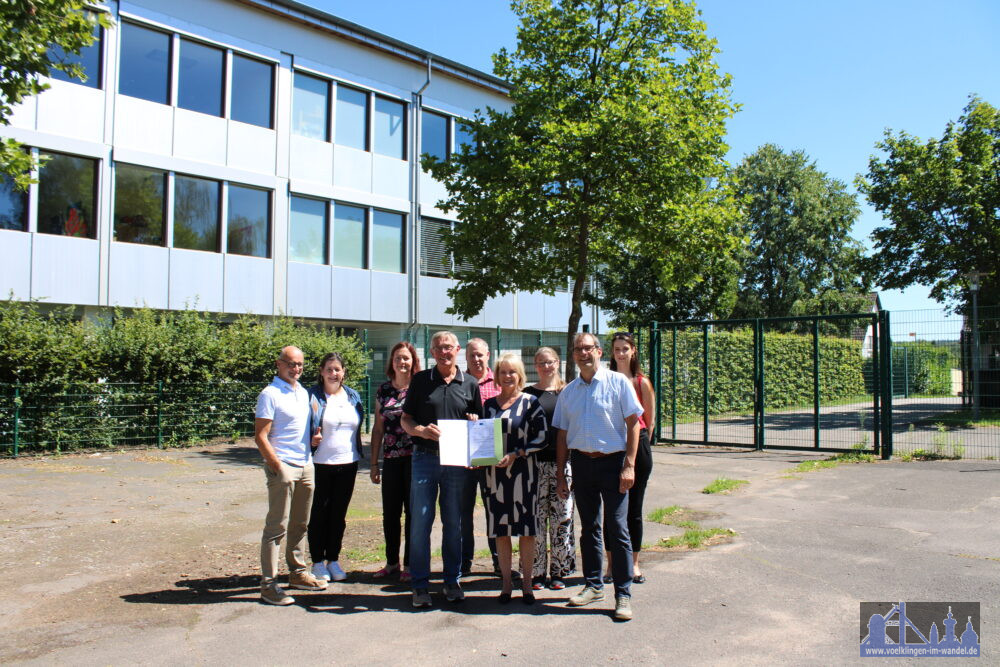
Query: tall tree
{"points": [[618, 120], [36, 37], [942, 200], [801, 258]]}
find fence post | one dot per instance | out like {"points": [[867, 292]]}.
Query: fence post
{"points": [[906, 372], [17, 417], [673, 384], [761, 358], [887, 390], [656, 369], [368, 383], [427, 347], [159, 414], [704, 379], [539, 338], [498, 341], [876, 325], [815, 333]]}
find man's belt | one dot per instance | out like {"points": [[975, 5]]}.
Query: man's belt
{"points": [[595, 455]]}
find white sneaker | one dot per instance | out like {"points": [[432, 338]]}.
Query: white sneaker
{"points": [[320, 572], [336, 572]]}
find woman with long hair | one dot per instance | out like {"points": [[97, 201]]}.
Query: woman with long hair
{"points": [[625, 360], [389, 438], [555, 543], [512, 484], [338, 413]]}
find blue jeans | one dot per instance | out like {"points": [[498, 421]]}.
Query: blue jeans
{"points": [[428, 476], [595, 482]]}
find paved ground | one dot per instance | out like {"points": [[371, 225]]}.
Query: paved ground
{"points": [[150, 558]]}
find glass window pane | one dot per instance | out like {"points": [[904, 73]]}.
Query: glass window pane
{"points": [[464, 136], [349, 236], [196, 213], [252, 83], [311, 107], [248, 221], [139, 202], [352, 118], [199, 82], [387, 241], [434, 135], [13, 206], [389, 126], [144, 69], [89, 59], [66, 195], [307, 233]]}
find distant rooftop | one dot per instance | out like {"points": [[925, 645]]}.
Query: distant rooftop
{"points": [[320, 20]]}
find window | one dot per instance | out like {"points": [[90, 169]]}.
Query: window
{"points": [[89, 59], [200, 78], [352, 118], [13, 206], [311, 107], [434, 135], [464, 137], [307, 231], [390, 123], [144, 71], [434, 258], [349, 236], [248, 222], [387, 241], [139, 204], [253, 81], [66, 195], [196, 213]]}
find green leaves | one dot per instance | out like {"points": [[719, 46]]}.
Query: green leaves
{"points": [[942, 200]]}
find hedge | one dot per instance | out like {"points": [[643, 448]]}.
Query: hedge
{"points": [[788, 371], [145, 376]]}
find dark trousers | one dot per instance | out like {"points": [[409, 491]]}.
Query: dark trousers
{"points": [[395, 502], [595, 486], [476, 481], [334, 488], [643, 469]]}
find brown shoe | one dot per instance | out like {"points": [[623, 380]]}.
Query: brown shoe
{"points": [[272, 593], [305, 581]]}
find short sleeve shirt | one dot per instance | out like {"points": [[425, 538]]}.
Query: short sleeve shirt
{"points": [[288, 409], [593, 415], [430, 398]]}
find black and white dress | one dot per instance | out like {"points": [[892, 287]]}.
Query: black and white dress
{"points": [[513, 491]]}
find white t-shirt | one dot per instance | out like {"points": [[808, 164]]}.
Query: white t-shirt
{"points": [[288, 409], [340, 423]]}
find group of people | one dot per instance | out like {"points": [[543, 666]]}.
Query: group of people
{"points": [[582, 444]]}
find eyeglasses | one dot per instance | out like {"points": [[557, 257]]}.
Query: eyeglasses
{"points": [[292, 364], [585, 349], [445, 348], [549, 362]]}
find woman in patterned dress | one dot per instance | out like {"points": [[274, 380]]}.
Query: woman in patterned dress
{"points": [[512, 483], [394, 476]]}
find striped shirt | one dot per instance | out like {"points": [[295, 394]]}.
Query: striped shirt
{"points": [[593, 415]]}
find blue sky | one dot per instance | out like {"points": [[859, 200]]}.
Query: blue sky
{"points": [[825, 78]]}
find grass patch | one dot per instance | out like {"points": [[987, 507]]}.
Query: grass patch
{"points": [[356, 555], [856, 455], [663, 514], [946, 447], [724, 485], [698, 538], [964, 418]]}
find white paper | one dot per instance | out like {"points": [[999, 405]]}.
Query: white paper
{"points": [[481, 439], [453, 444]]}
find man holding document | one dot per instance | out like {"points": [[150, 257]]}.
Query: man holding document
{"points": [[440, 393]]}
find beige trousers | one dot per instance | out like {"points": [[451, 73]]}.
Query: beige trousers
{"points": [[289, 501]]}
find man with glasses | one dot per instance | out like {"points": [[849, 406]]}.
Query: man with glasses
{"points": [[597, 415], [281, 431], [441, 392]]}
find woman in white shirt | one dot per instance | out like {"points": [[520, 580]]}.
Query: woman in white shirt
{"points": [[337, 413]]}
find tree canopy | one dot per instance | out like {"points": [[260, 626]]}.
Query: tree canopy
{"points": [[35, 38], [941, 198], [800, 258], [617, 124]]}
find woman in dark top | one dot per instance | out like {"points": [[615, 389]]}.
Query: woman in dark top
{"points": [[512, 484], [555, 544], [388, 436], [625, 360]]}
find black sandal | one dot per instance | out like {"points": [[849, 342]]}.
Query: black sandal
{"points": [[639, 579]]}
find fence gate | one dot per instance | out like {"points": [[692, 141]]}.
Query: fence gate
{"points": [[819, 383]]}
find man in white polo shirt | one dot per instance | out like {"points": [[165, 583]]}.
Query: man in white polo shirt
{"points": [[597, 415], [281, 430]]}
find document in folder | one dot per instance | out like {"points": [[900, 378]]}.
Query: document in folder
{"points": [[470, 443]]}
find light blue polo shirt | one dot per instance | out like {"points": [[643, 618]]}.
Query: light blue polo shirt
{"points": [[593, 415], [288, 409]]}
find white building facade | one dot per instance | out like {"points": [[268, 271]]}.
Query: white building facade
{"points": [[249, 156]]}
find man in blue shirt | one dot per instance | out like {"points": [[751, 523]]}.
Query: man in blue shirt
{"points": [[281, 431], [597, 415]]}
